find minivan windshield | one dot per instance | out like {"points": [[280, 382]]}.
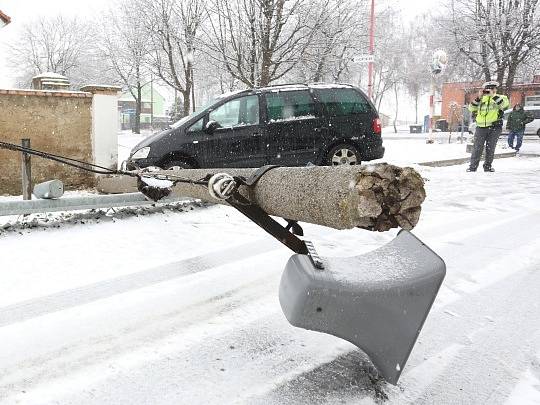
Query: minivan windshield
{"points": [[203, 107], [193, 114]]}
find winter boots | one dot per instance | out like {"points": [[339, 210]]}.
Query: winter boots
{"points": [[488, 169]]}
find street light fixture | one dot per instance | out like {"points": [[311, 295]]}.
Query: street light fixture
{"points": [[371, 49]]}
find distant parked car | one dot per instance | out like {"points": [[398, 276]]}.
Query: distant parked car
{"points": [[288, 125], [532, 128], [465, 128]]}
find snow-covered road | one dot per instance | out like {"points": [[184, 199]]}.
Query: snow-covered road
{"points": [[182, 308]]}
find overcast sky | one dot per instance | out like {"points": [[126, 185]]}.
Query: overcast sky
{"points": [[22, 11]]}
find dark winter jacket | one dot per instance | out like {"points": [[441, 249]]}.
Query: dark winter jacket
{"points": [[518, 119]]}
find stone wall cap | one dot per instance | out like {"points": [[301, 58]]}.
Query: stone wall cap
{"points": [[46, 93], [95, 88], [50, 75]]}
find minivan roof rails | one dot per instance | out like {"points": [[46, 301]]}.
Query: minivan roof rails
{"points": [[314, 83], [283, 85], [300, 84]]}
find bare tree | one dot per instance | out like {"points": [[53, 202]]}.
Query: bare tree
{"points": [[342, 34], [497, 36], [261, 41], [173, 27], [59, 45], [389, 54], [123, 42], [416, 59]]}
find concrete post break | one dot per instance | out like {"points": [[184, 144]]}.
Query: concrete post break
{"points": [[377, 301]]}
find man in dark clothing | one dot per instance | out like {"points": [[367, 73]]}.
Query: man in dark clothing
{"points": [[517, 120]]}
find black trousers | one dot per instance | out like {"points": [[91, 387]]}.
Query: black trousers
{"points": [[488, 137]]}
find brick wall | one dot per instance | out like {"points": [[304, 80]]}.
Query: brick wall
{"points": [[463, 93], [59, 122], [518, 96], [456, 93]]}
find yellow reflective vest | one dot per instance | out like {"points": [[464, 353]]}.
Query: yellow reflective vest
{"points": [[487, 109]]}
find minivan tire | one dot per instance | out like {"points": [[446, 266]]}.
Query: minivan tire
{"points": [[343, 155], [177, 165]]}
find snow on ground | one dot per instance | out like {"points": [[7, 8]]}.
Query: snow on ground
{"points": [[126, 141], [181, 307]]}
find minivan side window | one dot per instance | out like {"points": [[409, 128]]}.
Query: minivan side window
{"points": [[340, 102], [290, 106], [238, 112]]}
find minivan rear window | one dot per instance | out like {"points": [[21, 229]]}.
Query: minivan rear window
{"points": [[340, 102], [290, 106]]}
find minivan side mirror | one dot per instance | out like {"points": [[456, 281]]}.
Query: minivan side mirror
{"points": [[210, 127]]}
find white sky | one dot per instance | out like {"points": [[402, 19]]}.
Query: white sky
{"points": [[22, 11], [412, 8]]}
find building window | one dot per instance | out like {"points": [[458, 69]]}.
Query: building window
{"points": [[532, 100]]}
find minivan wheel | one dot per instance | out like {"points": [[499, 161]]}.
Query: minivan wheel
{"points": [[343, 154], [538, 133], [177, 165]]}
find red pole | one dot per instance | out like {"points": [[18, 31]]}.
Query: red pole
{"points": [[371, 48]]}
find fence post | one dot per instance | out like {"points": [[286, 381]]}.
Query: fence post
{"points": [[463, 109], [26, 171]]}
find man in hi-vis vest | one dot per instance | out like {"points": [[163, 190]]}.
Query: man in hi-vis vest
{"points": [[488, 108]]}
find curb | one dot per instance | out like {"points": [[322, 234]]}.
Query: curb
{"points": [[460, 161]]}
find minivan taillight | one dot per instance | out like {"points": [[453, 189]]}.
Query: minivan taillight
{"points": [[377, 126]]}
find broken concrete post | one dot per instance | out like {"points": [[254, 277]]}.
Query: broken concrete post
{"points": [[374, 197]]}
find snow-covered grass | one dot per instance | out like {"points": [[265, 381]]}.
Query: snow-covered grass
{"points": [[182, 306]]}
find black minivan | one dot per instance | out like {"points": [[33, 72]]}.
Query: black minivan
{"points": [[287, 125]]}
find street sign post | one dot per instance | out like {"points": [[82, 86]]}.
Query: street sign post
{"points": [[367, 58]]}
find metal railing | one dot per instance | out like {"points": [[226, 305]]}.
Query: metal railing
{"points": [[18, 207], [75, 203]]}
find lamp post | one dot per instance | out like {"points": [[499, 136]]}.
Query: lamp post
{"points": [[438, 64], [371, 49]]}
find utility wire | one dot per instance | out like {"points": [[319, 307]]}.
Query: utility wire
{"points": [[93, 168]]}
